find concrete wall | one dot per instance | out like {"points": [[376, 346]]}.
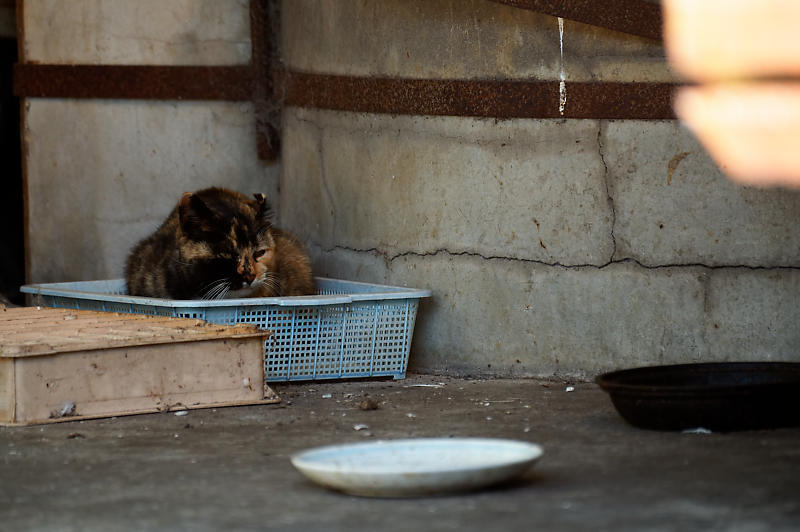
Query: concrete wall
{"points": [[148, 32], [551, 246], [102, 174]]}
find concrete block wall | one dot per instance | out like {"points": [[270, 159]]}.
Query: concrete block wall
{"points": [[564, 247], [102, 174]]}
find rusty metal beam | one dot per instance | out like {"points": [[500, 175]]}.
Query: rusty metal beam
{"points": [[133, 81], [267, 113], [634, 17], [476, 98], [479, 98], [267, 88]]}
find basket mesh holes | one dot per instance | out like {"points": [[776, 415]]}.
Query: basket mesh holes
{"points": [[193, 315], [255, 317], [318, 342], [142, 309]]}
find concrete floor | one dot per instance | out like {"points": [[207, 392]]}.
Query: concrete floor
{"points": [[228, 469]]}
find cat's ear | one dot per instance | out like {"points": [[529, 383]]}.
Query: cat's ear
{"points": [[195, 217], [264, 208]]}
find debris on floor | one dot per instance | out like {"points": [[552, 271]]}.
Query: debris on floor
{"points": [[368, 404]]}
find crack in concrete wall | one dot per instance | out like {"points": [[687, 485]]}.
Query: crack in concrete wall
{"points": [[323, 176], [631, 213], [608, 190], [441, 251], [611, 190]]}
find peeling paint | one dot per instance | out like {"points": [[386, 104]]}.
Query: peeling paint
{"points": [[562, 84]]}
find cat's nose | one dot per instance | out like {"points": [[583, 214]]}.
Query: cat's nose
{"points": [[245, 269]]}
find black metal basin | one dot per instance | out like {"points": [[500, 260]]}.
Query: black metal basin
{"points": [[724, 396]]}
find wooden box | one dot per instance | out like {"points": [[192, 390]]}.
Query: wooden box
{"points": [[60, 365]]}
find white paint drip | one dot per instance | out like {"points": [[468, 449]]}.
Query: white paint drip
{"points": [[562, 84]]}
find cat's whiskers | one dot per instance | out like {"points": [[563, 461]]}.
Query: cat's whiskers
{"points": [[223, 294], [215, 289], [271, 281], [225, 288]]}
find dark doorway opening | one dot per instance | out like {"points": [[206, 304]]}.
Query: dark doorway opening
{"points": [[12, 246]]}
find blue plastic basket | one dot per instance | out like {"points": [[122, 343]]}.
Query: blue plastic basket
{"points": [[350, 329]]}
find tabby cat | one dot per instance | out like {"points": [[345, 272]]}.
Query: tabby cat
{"points": [[218, 243]]}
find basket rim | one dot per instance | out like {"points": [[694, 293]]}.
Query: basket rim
{"points": [[82, 290]]}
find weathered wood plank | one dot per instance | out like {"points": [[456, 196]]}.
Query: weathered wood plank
{"points": [[7, 389], [154, 377], [62, 364], [32, 331]]}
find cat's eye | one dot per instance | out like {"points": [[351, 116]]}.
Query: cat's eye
{"points": [[258, 254], [227, 256]]}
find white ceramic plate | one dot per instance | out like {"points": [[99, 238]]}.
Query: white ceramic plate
{"points": [[413, 467]]}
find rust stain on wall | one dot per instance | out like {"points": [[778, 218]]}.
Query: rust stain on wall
{"points": [[634, 17], [673, 165]]}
